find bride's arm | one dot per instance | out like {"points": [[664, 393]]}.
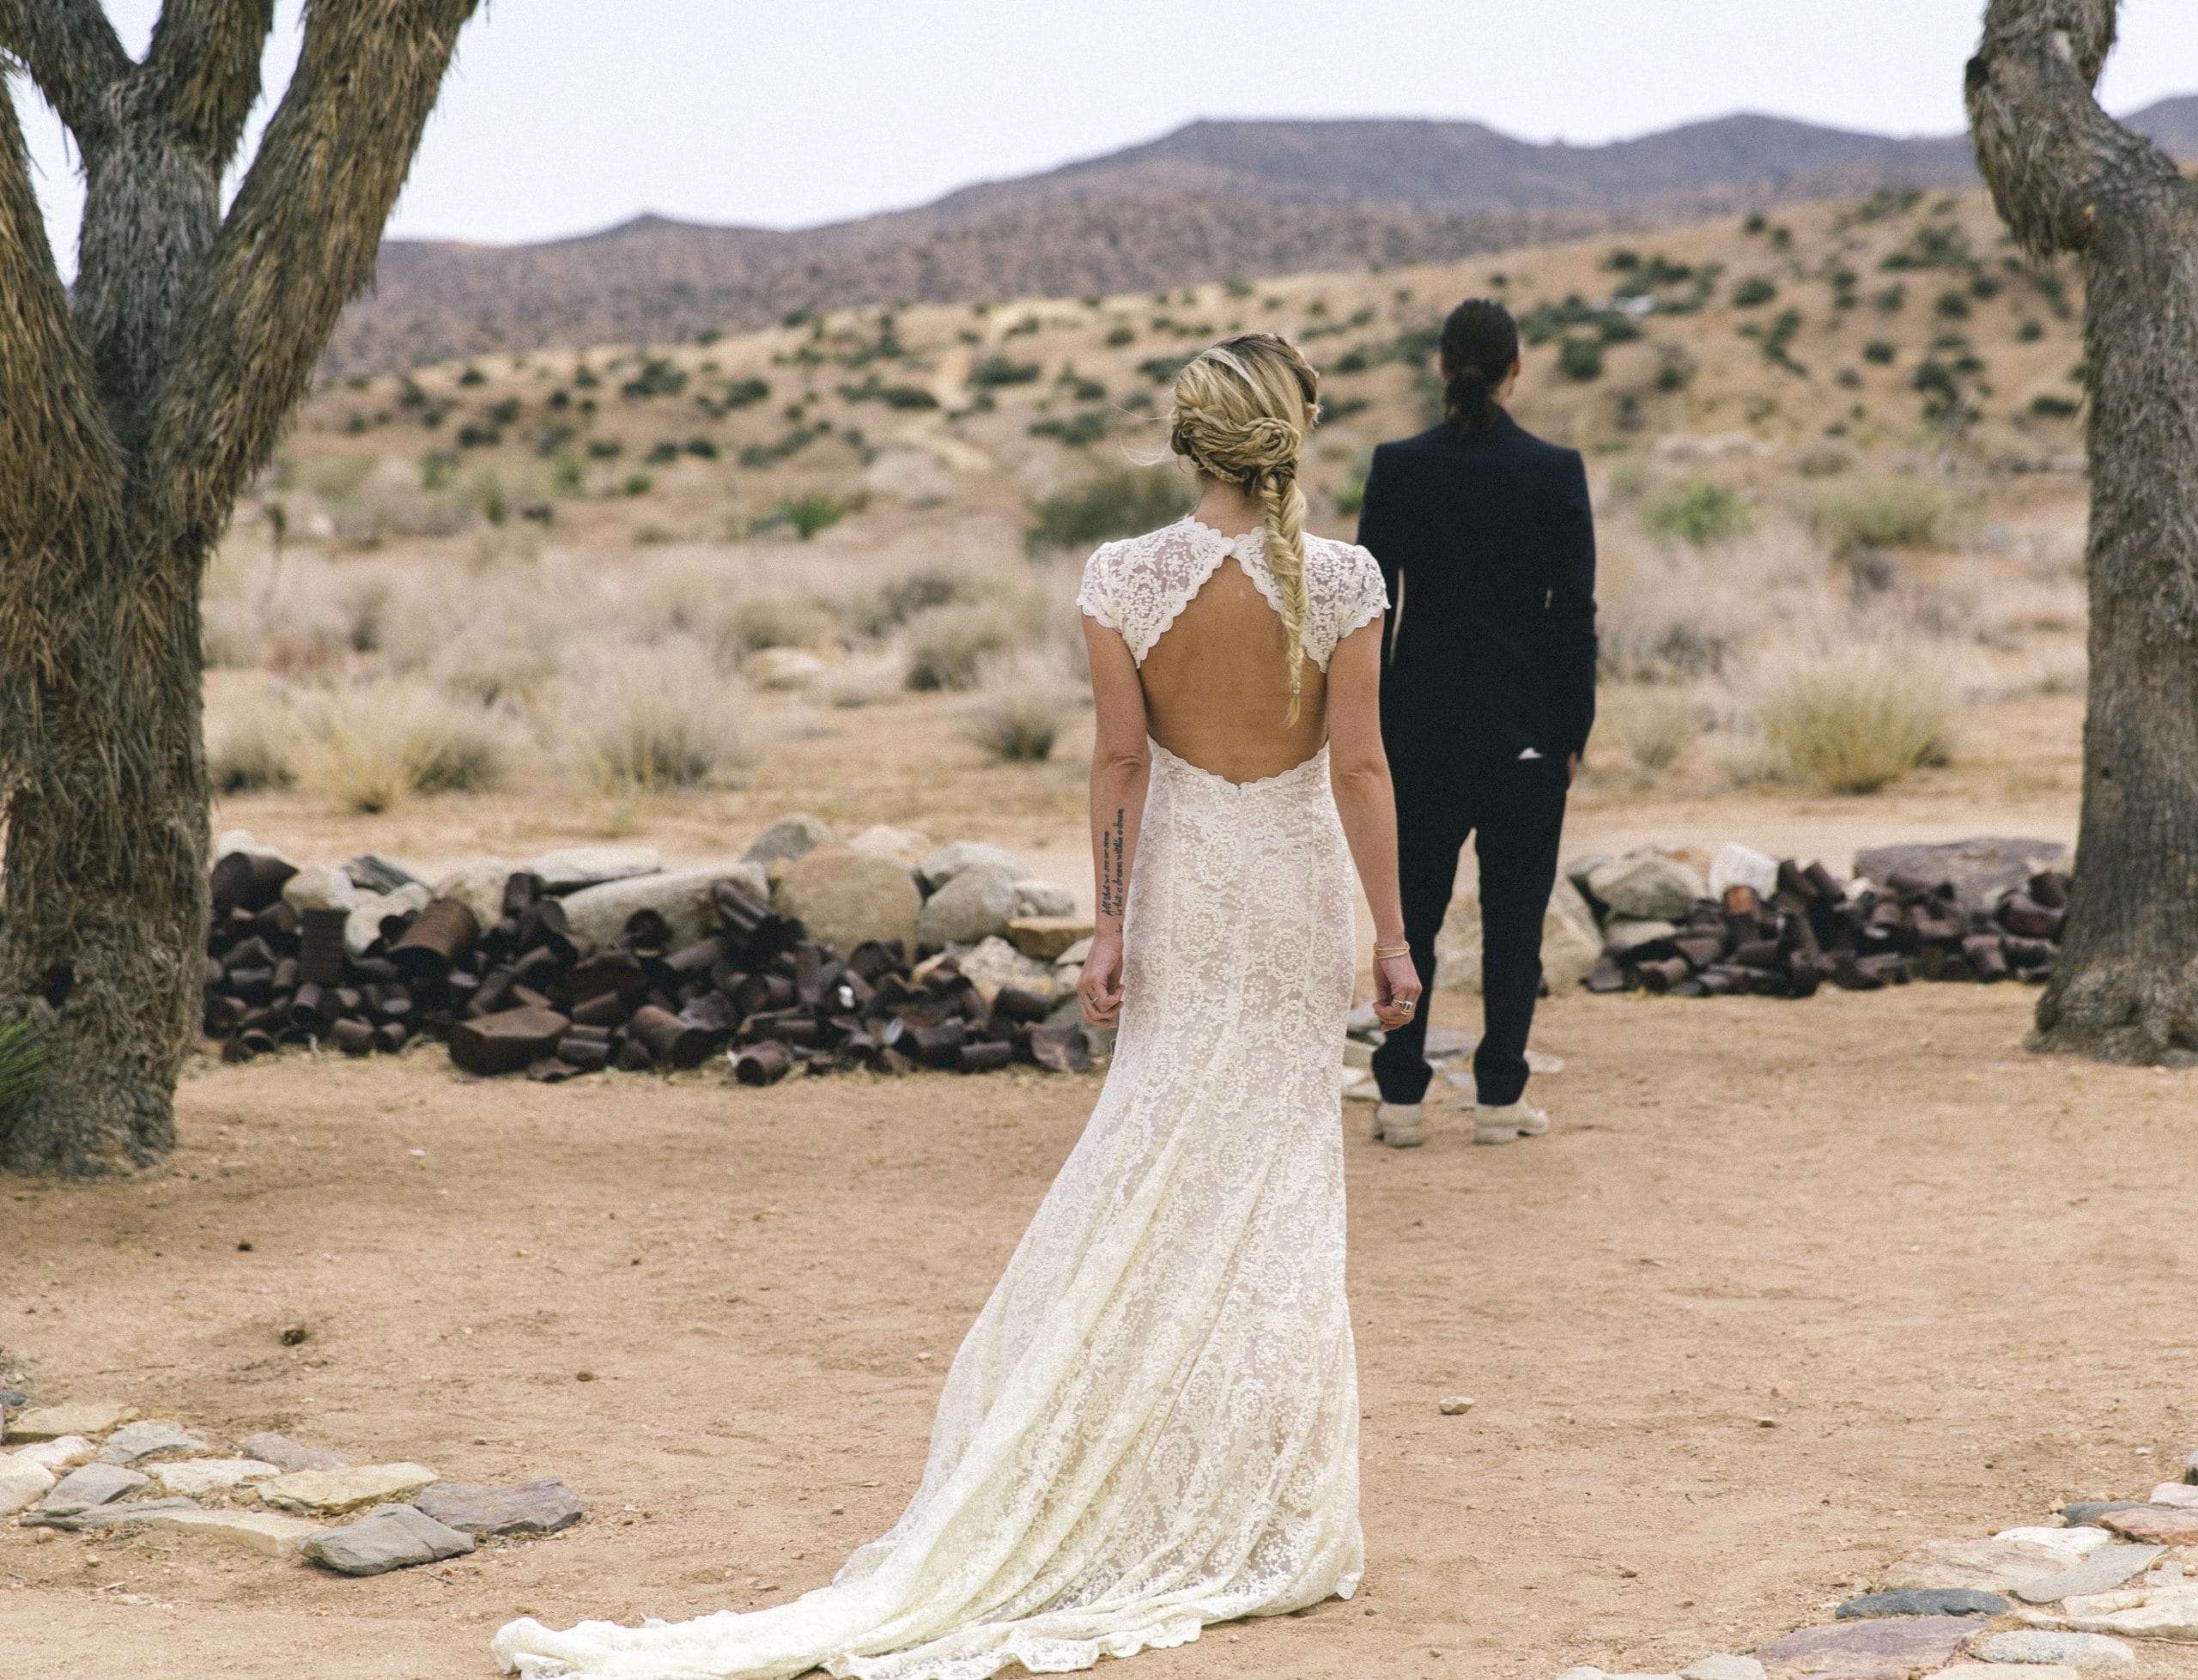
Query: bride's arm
{"points": [[1359, 769], [1120, 767]]}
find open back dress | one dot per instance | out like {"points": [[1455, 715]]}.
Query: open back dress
{"points": [[1153, 1425]]}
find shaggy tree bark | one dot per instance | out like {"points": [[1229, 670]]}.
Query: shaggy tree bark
{"points": [[133, 412], [2066, 177]]}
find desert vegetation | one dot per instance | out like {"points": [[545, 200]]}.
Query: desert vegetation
{"points": [[1838, 523]]}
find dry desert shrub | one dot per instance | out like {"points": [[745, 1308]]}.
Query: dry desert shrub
{"points": [[228, 633], [252, 750], [948, 647], [1652, 730], [1855, 720], [1025, 699], [665, 719], [1890, 511], [372, 746]]}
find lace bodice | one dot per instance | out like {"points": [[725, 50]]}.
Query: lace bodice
{"points": [[1139, 586]]}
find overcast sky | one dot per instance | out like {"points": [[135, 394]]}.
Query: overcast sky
{"points": [[564, 116]]}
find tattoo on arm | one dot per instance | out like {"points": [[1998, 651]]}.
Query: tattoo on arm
{"points": [[1113, 887]]}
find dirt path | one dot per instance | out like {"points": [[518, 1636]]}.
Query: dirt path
{"points": [[1957, 1279]]}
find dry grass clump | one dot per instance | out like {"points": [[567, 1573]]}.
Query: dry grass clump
{"points": [[1026, 698], [1891, 511], [665, 719], [1673, 613], [1652, 729], [371, 747], [252, 751], [948, 646], [761, 621], [1855, 721]]}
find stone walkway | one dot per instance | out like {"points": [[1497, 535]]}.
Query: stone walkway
{"points": [[96, 1467], [2060, 1598]]}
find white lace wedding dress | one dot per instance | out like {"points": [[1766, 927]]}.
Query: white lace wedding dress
{"points": [[1154, 1423]]}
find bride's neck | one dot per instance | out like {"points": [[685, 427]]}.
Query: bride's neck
{"points": [[1230, 509]]}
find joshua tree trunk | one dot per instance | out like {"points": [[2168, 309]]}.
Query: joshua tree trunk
{"points": [[133, 412], [2066, 177]]}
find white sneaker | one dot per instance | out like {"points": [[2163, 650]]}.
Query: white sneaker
{"points": [[1397, 1125], [1507, 1122]]}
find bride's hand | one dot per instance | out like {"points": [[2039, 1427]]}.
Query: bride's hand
{"points": [[1396, 992], [1099, 988]]}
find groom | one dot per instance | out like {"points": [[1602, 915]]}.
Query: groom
{"points": [[1487, 544]]}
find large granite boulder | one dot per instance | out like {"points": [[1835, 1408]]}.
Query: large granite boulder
{"points": [[681, 897], [1570, 942], [570, 869], [478, 885], [843, 897], [791, 836], [1982, 870], [1647, 885], [941, 865], [976, 903]]}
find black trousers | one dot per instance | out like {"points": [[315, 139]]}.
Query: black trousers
{"points": [[1514, 812]]}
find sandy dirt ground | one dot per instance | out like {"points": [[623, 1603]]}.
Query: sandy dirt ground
{"points": [[1955, 1278]]}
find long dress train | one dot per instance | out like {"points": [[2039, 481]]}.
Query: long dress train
{"points": [[1153, 1424]]}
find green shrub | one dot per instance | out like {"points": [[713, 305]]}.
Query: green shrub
{"points": [[662, 453], [1119, 334], [1162, 370], [2049, 407], [2030, 331], [1752, 293], [1855, 724], [1885, 513], [657, 378], [995, 371], [1701, 512], [1879, 351], [1953, 305], [808, 514], [1115, 504], [1580, 359], [893, 396], [22, 1063], [1076, 430]]}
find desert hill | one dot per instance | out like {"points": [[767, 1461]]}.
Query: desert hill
{"points": [[1211, 201]]}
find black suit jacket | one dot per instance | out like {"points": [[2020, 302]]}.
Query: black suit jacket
{"points": [[1488, 547]]}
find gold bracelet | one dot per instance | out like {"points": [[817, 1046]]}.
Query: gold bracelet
{"points": [[1391, 950]]}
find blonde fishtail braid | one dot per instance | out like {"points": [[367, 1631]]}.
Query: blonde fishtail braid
{"points": [[1286, 510], [1242, 408]]}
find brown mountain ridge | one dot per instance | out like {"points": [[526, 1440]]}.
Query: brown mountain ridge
{"points": [[1211, 200]]}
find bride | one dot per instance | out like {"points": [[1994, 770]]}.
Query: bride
{"points": [[1154, 1423]]}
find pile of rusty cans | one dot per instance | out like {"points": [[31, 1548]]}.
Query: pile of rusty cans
{"points": [[526, 994], [1814, 930]]}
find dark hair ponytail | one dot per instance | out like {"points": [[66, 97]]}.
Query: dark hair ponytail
{"points": [[1480, 340]]}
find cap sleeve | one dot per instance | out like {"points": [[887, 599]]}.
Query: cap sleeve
{"points": [[1095, 597], [1364, 598]]}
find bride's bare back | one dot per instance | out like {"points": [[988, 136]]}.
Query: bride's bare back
{"points": [[1216, 684]]}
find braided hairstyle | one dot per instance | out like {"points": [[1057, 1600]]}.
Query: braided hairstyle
{"points": [[1480, 342], [1242, 409]]}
